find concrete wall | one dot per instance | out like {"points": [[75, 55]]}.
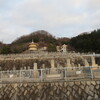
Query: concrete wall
{"points": [[79, 90]]}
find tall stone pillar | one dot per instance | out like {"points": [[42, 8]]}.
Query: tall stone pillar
{"points": [[58, 48], [35, 71], [24, 67], [86, 63], [43, 66], [28, 67], [68, 63], [79, 65], [93, 62], [52, 63], [52, 70]]}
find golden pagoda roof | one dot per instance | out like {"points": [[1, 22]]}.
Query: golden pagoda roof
{"points": [[32, 46]]}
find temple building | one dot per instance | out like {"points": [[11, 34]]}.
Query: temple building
{"points": [[62, 48], [33, 46]]}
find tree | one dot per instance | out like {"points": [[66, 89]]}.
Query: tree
{"points": [[51, 48], [87, 42], [5, 49]]}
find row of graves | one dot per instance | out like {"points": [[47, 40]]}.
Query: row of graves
{"points": [[58, 73]]}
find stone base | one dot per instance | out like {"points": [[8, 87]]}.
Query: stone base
{"points": [[53, 76]]}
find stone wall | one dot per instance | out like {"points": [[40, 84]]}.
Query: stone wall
{"points": [[7, 62], [19, 61], [78, 90]]}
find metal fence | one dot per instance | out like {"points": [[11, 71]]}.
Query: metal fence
{"points": [[50, 74]]}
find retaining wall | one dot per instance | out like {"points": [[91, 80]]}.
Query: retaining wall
{"points": [[77, 90]]}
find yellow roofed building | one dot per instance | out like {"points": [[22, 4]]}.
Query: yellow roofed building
{"points": [[33, 46]]}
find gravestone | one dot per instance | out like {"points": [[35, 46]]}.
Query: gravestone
{"points": [[53, 70], [54, 74], [79, 65], [28, 67], [35, 71], [43, 66], [24, 67], [93, 62], [35, 66], [58, 48], [73, 65], [69, 63], [70, 67], [86, 63], [52, 63]]}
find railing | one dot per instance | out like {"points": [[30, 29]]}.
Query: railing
{"points": [[50, 74]]}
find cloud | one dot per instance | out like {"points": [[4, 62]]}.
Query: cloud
{"points": [[59, 17], [50, 14]]}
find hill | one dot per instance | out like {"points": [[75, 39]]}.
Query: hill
{"points": [[41, 37], [37, 36], [87, 42]]}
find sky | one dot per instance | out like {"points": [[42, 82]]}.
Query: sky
{"points": [[61, 18]]}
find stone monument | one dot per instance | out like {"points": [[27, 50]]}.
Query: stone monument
{"points": [[68, 63], [86, 63], [29, 68], [58, 48], [93, 62], [52, 63], [64, 48], [43, 66], [53, 70], [35, 71], [24, 67], [54, 74]]}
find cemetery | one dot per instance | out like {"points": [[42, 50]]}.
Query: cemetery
{"points": [[37, 66], [55, 66], [50, 50], [46, 75]]}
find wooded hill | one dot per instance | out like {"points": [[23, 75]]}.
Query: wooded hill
{"points": [[41, 37], [85, 42]]}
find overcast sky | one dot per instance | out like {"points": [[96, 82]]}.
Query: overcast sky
{"points": [[61, 18]]}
